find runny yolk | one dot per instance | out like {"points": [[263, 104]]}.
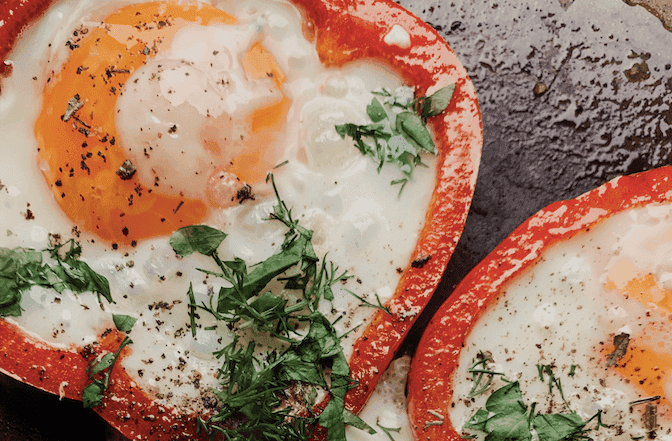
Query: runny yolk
{"points": [[647, 364], [78, 143]]}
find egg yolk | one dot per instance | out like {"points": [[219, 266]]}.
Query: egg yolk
{"points": [[79, 148], [648, 358]]}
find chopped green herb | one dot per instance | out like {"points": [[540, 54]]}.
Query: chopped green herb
{"points": [[376, 111], [438, 422], [196, 239], [349, 331], [99, 374], [192, 309], [480, 371], [124, 323], [387, 430], [436, 103], [403, 183], [259, 390], [353, 420], [552, 380], [380, 306], [22, 268], [506, 417], [398, 132]]}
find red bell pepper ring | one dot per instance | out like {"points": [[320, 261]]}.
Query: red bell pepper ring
{"points": [[430, 382], [428, 62], [344, 31]]}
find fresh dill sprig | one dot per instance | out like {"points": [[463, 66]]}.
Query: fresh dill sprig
{"points": [[482, 375], [367, 304]]}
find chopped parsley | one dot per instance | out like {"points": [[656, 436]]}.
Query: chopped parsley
{"points": [[506, 417], [275, 396], [23, 268], [99, 371], [398, 132], [123, 323], [100, 368]]}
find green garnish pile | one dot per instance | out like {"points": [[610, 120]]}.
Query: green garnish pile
{"points": [[506, 417], [273, 396], [398, 132], [99, 370], [22, 268]]}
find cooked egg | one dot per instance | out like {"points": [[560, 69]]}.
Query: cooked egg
{"points": [[572, 308], [174, 93], [157, 116]]}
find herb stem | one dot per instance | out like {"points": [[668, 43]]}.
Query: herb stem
{"points": [[484, 371], [644, 400]]}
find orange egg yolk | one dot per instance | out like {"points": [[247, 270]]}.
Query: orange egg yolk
{"points": [[78, 143], [647, 364]]}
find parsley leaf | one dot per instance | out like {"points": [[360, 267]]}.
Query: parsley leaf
{"points": [[99, 374], [257, 389], [124, 323], [506, 416], [438, 102], [398, 132], [556, 427], [414, 130], [22, 268], [196, 239], [376, 111]]}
